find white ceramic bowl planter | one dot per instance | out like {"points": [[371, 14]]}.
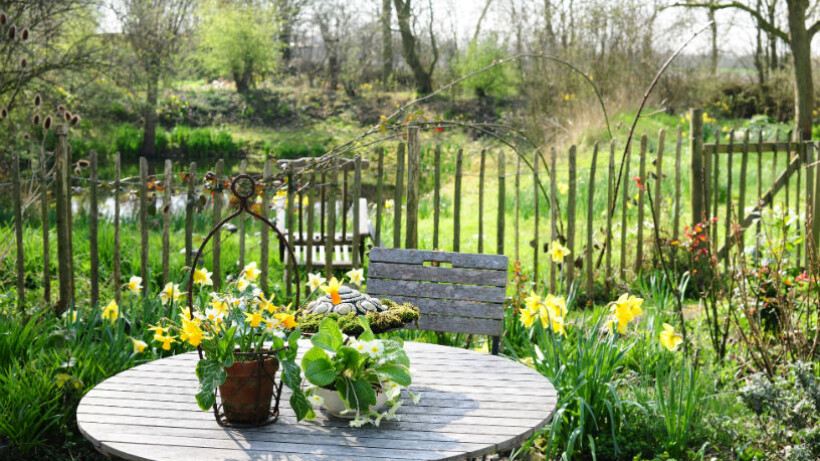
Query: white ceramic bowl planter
{"points": [[334, 405]]}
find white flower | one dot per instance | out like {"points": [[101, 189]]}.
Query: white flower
{"points": [[316, 400], [356, 276], [214, 315], [315, 281], [242, 284], [374, 348], [361, 347]]}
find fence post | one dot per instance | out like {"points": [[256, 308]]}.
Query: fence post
{"points": [[697, 185], [502, 198], [657, 199], [41, 176], [624, 206], [610, 189], [482, 167], [217, 242], [18, 232], [436, 195], [741, 204], [676, 216], [553, 212], [291, 189], [728, 222], [457, 201], [398, 196], [357, 192], [311, 222], [331, 218], [166, 222], [243, 168], [117, 269], [379, 198], [93, 237], [264, 250], [144, 223], [590, 219], [63, 238], [641, 201], [189, 215], [517, 206], [411, 240], [569, 268]]}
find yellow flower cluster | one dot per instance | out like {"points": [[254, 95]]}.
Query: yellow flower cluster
{"points": [[550, 311], [623, 311]]}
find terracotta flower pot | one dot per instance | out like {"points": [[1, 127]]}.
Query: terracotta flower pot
{"points": [[248, 390]]}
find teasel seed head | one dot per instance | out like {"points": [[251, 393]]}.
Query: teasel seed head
{"points": [[35, 120], [47, 123], [3, 18], [75, 120], [12, 32], [23, 63], [24, 34], [4, 112], [67, 116], [37, 100], [61, 108]]}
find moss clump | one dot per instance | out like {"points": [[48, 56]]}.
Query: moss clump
{"points": [[396, 316]]}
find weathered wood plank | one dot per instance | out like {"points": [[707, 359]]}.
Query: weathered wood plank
{"points": [[419, 257], [502, 203], [610, 189], [243, 220], [216, 252], [377, 239], [18, 233], [727, 233], [437, 274], [190, 204], [461, 325], [641, 204], [590, 219], [411, 238], [481, 172], [676, 216], [311, 222], [61, 199], [116, 262], [355, 251], [744, 166], [658, 197], [435, 290], [436, 195], [331, 221], [516, 234], [291, 192], [624, 207], [453, 308], [568, 265]]}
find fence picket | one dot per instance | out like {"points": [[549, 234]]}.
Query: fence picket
{"points": [[658, 198], [715, 189], [217, 241], [331, 219], [42, 173], [289, 225], [457, 201], [641, 202], [116, 262], [676, 216], [398, 196], [553, 212], [436, 195], [264, 250], [741, 203], [502, 197], [610, 189], [93, 235], [243, 218], [411, 240], [481, 170], [144, 223], [18, 231], [166, 222], [517, 207], [569, 265], [590, 219], [311, 222], [357, 192], [624, 207]]}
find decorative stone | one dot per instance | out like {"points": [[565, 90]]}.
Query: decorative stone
{"points": [[352, 301]]}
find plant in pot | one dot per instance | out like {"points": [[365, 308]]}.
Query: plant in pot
{"points": [[242, 338], [356, 378]]}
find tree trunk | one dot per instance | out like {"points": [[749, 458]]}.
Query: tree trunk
{"points": [[387, 41], [423, 78], [800, 43], [149, 132], [244, 80]]}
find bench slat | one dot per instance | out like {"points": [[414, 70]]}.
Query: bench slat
{"points": [[437, 274], [435, 290], [452, 308], [458, 260], [461, 325]]}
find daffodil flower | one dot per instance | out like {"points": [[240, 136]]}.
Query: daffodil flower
{"points": [[242, 284], [267, 304], [388, 204], [288, 320], [134, 284], [219, 305], [332, 288], [562, 189], [166, 342], [356, 276], [315, 281], [170, 292], [191, 332], [139, 345], [670, 339], [253, 318], [250, 272], [625, 309], [111, 312], [203, 277], [558, 251]]}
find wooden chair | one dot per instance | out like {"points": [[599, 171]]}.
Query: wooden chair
{"points": [[455, 292]]}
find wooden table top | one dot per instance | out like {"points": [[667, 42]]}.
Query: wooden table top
{"points": [[471, 404]]}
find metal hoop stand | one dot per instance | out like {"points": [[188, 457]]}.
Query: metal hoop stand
{"points": [[259, 356]]}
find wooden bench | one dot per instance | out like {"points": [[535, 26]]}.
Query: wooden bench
{"points": [[343, 243], [455, 292]]}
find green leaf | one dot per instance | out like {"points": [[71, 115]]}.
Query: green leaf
{"points": [[319, 370], [291, 375], [364, 393], [329, 336], [301, 406], [211, 375], [367, 334], [399, 374], [350, 358]]}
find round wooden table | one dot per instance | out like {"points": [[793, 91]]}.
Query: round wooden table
{"points": [[471, 404]]}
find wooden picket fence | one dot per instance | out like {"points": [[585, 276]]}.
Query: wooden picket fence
{"points": [[317, 182]]}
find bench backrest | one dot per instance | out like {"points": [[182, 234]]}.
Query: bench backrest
{"points": [[455, 292]]}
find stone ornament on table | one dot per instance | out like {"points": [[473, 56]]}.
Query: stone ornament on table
{"points": [[351, 301]]}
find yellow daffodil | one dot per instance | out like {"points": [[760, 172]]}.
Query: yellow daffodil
{"points": [[166, 342], [670, 339], [388, 204], [558, 251], [191, 332], [288, 320], [528, 317], [556, 306], [253, 318], [111, 312], [562, 189], [139, 345], [242, 284], [159, 331], [170, 292], [356, 276], [625, 309], [219, 304], [267, 304], [315, 281], [332, 288], [250, 272], [281, 193], [134, 284], [557, 325], [203, 277]]}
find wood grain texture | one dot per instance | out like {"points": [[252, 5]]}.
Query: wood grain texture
{"points": [[149, 413], [463, 260]]}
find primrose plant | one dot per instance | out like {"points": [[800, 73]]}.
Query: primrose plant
{"points": [[362, 371]]}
